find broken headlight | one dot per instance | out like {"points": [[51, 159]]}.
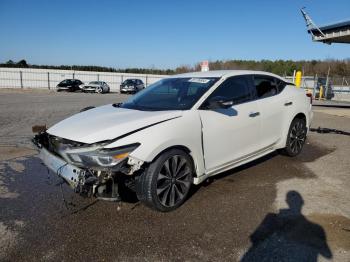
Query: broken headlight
{"points": [[96, 157]]}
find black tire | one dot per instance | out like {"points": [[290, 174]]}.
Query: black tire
{"points": [[165, 183], [99, 90], [296, 138]]}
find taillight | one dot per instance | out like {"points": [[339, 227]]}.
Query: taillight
{"points": [[309, 95]]}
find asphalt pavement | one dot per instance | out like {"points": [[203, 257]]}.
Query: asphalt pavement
{"points": [[296, 208]]}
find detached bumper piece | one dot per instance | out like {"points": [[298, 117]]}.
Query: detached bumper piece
{"points": [[323, 130], [85, 182]]}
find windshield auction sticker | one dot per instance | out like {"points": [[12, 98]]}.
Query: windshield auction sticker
{"points": [[199, 80]]}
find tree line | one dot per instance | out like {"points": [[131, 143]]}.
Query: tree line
{"points": [[23, 64], [286, 67], [280, 67]]}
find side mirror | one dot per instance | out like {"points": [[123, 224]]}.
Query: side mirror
{"points": [[219, 102]]}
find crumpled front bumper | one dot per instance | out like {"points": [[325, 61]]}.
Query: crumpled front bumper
{"points": [[77, 178], [73, 175], [85, 181]]}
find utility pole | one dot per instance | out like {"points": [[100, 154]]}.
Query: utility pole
{"points": [[327, 82]]}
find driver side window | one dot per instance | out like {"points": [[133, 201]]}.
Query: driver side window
{"points": [[235, 88]]}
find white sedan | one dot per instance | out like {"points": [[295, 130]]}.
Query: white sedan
{"points": [[96, 87], [177, 132]]}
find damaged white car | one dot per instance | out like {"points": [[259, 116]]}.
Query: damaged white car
{"points": [[177, 132]]}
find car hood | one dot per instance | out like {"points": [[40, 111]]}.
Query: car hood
{"points": [[108, 122], [92, 85]]}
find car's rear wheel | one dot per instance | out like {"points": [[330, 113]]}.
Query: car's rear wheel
{"points": [[296, 137], [165, 183]]}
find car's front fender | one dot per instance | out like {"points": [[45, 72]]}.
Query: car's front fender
{"points": [[184, 131]]}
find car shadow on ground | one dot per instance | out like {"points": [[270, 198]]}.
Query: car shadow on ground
{"points": [[288, 236]]}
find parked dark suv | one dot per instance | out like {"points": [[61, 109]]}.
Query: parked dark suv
{"points": [[131, 86], [70, 85]]}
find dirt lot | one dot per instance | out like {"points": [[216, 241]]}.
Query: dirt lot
{"points": [[277, 205]]}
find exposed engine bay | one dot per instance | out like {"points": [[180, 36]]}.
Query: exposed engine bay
{"points": [[89, 169]]}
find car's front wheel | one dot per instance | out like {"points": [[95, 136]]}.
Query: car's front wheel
{"points": [[165, 183], [99, 90], [296, 137]]}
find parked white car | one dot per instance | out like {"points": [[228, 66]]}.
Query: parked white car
{"points": [[177, 132], [96, 87]]}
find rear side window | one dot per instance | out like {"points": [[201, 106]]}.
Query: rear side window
{"points": [[234, 88], [265, 86], [280, 85], [66, 81]]}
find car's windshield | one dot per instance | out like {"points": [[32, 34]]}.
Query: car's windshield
{"points": [[95, 82], [170, 94], [129, 81]]}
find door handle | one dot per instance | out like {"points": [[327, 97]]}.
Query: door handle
{"points": [[288, 103], [254, 114]]}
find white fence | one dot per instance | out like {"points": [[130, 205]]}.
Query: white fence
{"points": [[49, 78]]}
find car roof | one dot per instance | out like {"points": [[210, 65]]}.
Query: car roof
{"points": [[227, 73]]}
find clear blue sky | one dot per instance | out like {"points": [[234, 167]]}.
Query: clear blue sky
{"points": [[163, 34]]}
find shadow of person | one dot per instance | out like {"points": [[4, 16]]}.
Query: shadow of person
{"points": [[288, 236]]}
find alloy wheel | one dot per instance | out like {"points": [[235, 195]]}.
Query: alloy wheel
{"points": [[297, 137], [174, 180]]}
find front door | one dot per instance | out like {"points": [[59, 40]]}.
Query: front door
{"points": [[229, 135]]}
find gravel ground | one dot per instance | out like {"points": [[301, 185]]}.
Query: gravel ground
{"points": [[273, 208]]}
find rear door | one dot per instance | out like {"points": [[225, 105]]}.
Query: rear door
{"points": [[230, 135], [271, 106], [69, 84]]}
